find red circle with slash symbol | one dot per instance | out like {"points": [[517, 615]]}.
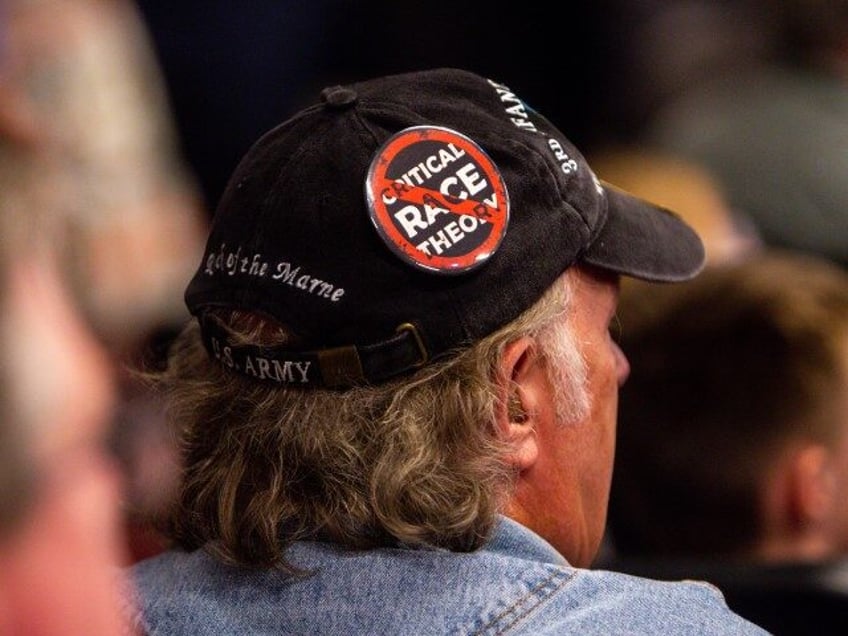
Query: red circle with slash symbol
{"points": [[437, 199]]}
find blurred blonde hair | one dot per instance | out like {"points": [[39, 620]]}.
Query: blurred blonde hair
{"points": [[685, 187]]}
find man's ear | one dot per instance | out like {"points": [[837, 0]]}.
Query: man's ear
{"points": [[518, 387]]}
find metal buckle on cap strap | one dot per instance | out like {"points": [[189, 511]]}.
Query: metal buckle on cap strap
{"points": [[408, 326]]}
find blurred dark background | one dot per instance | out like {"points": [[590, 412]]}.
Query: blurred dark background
{"points": [[597, 68]]}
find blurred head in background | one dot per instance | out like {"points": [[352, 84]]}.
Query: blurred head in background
{"points": [[733, 435]]}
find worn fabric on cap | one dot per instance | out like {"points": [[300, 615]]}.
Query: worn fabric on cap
{"points": [[402, 217]]}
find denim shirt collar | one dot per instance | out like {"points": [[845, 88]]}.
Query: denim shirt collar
{"points": [[513, 539]]}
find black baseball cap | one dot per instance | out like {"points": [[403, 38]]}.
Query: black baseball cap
{"points": [[401, 218]]}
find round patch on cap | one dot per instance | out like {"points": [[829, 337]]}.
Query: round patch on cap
{"points": [[437, 199]]}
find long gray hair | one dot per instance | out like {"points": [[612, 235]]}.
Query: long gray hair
{"points": [[415, 461]]}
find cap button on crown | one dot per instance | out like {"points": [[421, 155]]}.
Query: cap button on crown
{"points": [[338, 96]]}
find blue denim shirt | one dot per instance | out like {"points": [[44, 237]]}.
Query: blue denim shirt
{"points": [[516, 584]]}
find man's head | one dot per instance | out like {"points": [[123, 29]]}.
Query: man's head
{"points": [[407, 285], [733, 436]]}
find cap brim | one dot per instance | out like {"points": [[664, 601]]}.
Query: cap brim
{"points": [[645, 241]]}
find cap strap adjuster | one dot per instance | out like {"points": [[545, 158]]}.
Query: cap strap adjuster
{"points": [[340, 366], [333, 367], [409, 327], [405, 351]]}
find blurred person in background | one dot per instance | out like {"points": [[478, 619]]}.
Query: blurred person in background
{"points": [[732, 456], [775, 133], [82, 76], [81, 91], [61, 527], [653, 50]]}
